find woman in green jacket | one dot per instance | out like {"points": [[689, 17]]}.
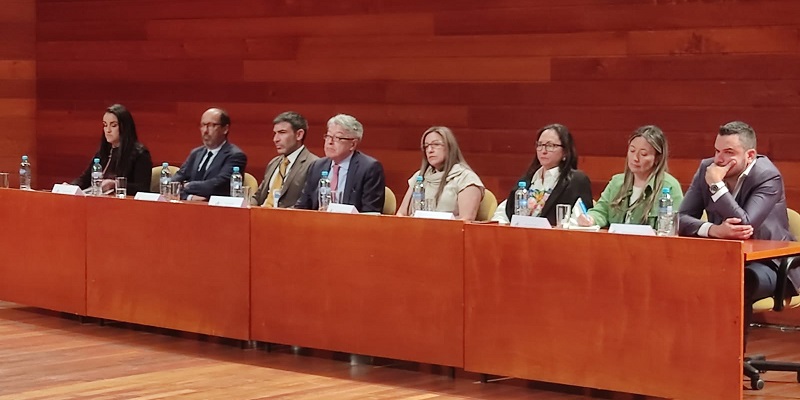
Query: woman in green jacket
{"points": [[632, 196]]}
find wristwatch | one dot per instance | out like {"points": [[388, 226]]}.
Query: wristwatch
{"points": [[715, 187]]}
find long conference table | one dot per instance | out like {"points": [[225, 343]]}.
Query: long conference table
{"points": [[646, 315]]}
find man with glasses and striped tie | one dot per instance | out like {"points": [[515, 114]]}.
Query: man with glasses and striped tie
{"points": [[355, 177], [208, 169], [285, 175]]}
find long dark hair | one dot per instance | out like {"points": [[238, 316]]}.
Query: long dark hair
{"points": [[127, 141], [568, 162]]}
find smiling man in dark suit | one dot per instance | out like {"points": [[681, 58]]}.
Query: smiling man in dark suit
{"points": [[356, 178], [743, 195], [208, 169], [287, 172]]}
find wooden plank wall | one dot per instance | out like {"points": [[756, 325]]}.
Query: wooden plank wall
{"points": [[493, 71], [17, 84]]}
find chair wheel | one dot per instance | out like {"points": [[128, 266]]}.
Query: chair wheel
{"points": [[756, 384]]}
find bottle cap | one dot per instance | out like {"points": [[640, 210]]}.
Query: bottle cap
{"points": [[419, 178], [24, 158], [164, 165], [97, 160], [665, 190], [324, 174], [521, 184], [235, 169]]}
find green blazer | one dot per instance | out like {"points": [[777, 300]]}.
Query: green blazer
{"points": [[604, 214]]}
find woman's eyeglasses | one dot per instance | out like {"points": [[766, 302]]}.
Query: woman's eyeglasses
{"points": [[547, 146]]}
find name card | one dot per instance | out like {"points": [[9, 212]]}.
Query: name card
{"points": [[149, 196], [524, 221], [434, 215], [342, 208], [630, 229], [227, 201], [63, 188]]}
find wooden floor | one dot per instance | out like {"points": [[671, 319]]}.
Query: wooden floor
{"points": [[46, 356]]}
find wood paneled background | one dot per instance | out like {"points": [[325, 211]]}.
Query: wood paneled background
{"points": [[493, 71], [17, 85]]}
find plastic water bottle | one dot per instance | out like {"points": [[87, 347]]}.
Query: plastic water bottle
{"points": [[237, 183], [665, 215], [324, 191], [25, 174], [521, 199], [418, 196], [97, 178], [163, 183]]}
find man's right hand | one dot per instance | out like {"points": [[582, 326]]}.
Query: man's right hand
{"points": [[731, 228]]}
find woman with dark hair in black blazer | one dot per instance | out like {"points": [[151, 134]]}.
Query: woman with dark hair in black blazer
{"points": [[120, 154], [552, 178]]}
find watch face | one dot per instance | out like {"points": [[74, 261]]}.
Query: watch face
{"points": [[714, 188]]}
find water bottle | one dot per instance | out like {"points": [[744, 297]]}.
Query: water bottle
{"points": [[97, 178], [665, 215], [324, 191], [521, 200], [418, 196], [25, 174], [166, 178], [237, 183]]}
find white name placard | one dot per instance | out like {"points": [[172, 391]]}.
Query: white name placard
{"points": [[342, 208], [631, 229], [226, 201], [149, 196], [524, 221], [64, 188], [434, 215]]}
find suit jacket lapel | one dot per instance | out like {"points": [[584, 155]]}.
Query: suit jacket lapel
{"points": [[301, 158], [351, 173], [553, 198], [271, 167], [198, 158], [218, 159]]}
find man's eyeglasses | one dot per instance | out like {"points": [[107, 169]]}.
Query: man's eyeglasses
{"points": [[338, 139], [433, 145], [209, 125], [547, 146]]}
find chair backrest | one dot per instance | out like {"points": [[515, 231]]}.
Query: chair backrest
{"points": [[488, 206], [794, 223], [251, 182], [155, 177], [769, 303], [390, 203]]}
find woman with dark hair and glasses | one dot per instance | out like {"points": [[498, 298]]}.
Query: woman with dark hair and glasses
{"points": [[120, 154], [552, 178], [450, 184], [632, 196]]}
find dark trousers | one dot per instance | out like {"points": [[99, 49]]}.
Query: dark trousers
{"points": [[760, 281]]}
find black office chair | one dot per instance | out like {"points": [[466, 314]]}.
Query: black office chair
{"points": [[755, 365]]}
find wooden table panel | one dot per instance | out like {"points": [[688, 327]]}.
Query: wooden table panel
{"points": [[177, 266], [376, 285], [764, 249], [43, 242], [625, 313]]}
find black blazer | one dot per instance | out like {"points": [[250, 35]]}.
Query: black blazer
{"points": [[567, 191], [217, 179], [365, 186], [139, 170]]}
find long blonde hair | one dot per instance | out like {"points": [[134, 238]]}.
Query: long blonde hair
{"points": [[655, 137], [452, 151]]}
